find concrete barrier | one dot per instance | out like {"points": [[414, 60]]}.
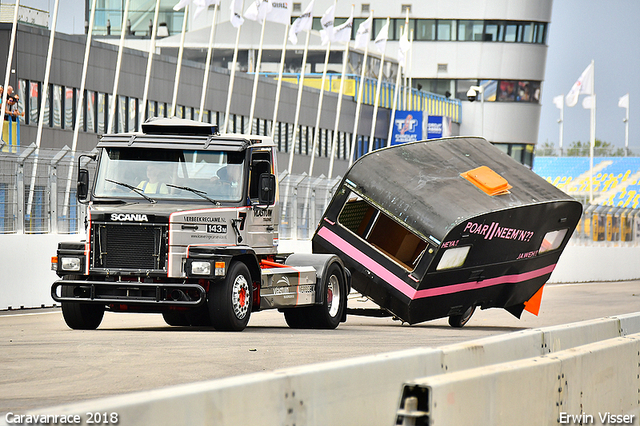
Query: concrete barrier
{"points": [[580, 264], [26, 275], [597, 383], [363, 390], [25, 263]]}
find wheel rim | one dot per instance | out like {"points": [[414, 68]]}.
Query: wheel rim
{"points": [[240, 297], [333, 295]]}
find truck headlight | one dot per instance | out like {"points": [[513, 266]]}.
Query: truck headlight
{"points": [[201, 268], [70, 263]]}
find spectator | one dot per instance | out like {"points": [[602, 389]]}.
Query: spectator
{"points": [[11, 109]]}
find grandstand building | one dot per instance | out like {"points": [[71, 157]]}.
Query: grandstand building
{"points": [[499, 45]]}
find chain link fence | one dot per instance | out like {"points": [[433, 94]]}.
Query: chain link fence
{"points": [[38, 195], [303, 201], [37, 191]]}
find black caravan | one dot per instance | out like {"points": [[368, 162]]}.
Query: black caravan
{"points": [[436, 228]]}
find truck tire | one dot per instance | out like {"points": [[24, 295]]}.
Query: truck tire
{"points": [[230, 302], [298, 317], [175, 319], [458, 321], [329, 314], [199, 317], [81, 316]]}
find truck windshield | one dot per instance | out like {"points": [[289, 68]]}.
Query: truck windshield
{"points": [[170, 174]]}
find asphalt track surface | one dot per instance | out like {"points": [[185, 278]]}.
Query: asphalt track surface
{"points": [[43, 363]]}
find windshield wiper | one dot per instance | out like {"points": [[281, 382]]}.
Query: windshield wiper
{"points": [[134, 189], [195, 191]]}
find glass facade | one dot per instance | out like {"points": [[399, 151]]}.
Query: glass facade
{"points": [[109, 14], [455, 29], [96, 107]]}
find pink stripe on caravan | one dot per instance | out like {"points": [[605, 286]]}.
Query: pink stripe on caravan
{"points": [[473, 285], [409, 291], [367, 262]]}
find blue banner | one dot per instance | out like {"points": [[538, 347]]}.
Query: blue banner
{"points": [[434, 127], [408, 126]]}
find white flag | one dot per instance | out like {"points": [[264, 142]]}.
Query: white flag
{"points": [[588, 102], [181, 4], [280, 12], [623, 102], [342, 33], [364, 33], [326, 33], [202, 5], [236, 13], [558, 101], [403, 47], [381, 38], [258, 10], [580, 87], [303, 22]]}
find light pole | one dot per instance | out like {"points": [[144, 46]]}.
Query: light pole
{"points": [[472, 94]]}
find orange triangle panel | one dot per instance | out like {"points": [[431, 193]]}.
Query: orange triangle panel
{"points": [[533, 305]]}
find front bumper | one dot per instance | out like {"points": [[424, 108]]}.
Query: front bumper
{"points": [[129, 292]]}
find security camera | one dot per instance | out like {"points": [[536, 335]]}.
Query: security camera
{"points": [[472, 95]]}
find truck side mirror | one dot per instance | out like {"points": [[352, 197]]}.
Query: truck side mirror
{"points": [[267, 189], [83, 184]]}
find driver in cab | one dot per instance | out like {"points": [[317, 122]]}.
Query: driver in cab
{"points": [[153, 185]]}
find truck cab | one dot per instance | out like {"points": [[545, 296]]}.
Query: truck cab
{"points": [[183, 221]]}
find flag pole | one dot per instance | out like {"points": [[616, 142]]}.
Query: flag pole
{"points": [[377, 98], [396, 93], [45, 89], [207, 67], [561, 124], [409, 73], [231, 79], [626, 129], [176, 82], [298, 103], [279, 85], [147, 78], [123, 31], [256, 76], [334, 143], [316, 133], [354, 141], [7, 74], [76, 129], [592, 138]]}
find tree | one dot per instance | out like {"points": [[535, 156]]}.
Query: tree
{"points": [[601, 149], [547, 149]]}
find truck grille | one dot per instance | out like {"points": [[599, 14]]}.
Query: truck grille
{"points": [[123, 246]]}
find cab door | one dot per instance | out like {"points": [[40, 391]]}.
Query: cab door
{"points": [[262, 229]]}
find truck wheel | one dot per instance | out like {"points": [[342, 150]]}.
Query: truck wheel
{"points": [[199, 317], [230, 301], [459, 321], [81, 316], [175, 319], [298, 317], [329, 314]]}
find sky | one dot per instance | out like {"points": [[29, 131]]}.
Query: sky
{"points": [[580, 31], [603, 31]]}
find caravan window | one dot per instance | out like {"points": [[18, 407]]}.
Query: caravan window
{"points": [[382, 232]]}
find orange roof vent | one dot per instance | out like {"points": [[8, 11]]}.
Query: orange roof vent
{"points": [[487, 180]]}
